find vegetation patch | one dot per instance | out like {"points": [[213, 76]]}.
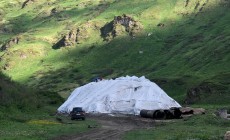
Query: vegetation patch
{"points": [[55, 46], [46, 122]]}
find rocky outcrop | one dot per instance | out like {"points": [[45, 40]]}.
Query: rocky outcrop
{"points": [[25, 3], [227, 135], [194, 111], [75, 36], [54, 10], [68, 40], [119, 25], [195, 94], [10, 43], [83, 33], [161, 25], [2, 14], [206, 91], [223, 113]]}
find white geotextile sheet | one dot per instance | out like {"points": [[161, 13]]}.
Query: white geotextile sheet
{"points": [[126, 95]]}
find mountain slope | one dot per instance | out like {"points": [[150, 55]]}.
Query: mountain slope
{"points": [[58, 45], [30, 115], [15, 97]]}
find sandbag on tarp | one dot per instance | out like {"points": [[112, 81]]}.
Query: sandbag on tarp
{"points": [[126, 95]]}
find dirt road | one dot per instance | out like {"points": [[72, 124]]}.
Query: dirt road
{"points": [[112, 127]]}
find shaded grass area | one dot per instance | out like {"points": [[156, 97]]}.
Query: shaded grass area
{"points": [[38, 125], [29, 114]]}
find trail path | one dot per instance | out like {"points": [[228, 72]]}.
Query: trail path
{"points": [[112, 128]]}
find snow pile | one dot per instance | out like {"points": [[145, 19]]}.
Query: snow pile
{"points": [[126, 95]]}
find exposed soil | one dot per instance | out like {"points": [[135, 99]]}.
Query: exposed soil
{"points": [[111, 127]]}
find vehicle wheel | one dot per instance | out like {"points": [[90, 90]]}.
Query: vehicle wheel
{"points": [[83, 119]]}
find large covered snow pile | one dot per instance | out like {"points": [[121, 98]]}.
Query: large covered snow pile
{"points": [[126, 95]]}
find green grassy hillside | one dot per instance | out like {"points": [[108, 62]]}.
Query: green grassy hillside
{"points": [[16, 96], [54, 46], [27, 114], [181, 45]]}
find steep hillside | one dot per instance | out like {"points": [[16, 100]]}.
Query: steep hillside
{"points": [[58, 45], [29, 114], [12, 94], [17, 98]]}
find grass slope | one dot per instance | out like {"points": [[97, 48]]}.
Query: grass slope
{"points": [[191, 51], [206, 127], [26, 114]]}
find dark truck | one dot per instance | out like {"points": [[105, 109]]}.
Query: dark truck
{"points": [[77, 113]]}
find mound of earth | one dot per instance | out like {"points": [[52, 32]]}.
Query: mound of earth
{"points": [[125, 95]]}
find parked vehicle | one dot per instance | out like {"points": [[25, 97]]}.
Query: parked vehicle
{"points": [[77, 113]]}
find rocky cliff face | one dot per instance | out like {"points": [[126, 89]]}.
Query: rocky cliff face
{"points": [[120, 25]]}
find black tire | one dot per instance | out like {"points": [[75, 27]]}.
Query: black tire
{"points": [[83, 119]]}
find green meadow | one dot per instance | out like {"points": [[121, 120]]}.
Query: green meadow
{"points": [[181, 45]]}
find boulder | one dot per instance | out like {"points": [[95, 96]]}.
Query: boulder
{"points": [[189, 110], [223, 113], [227, 135]]}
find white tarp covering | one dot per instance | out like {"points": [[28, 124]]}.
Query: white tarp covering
{"points": [[126, 95]]}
